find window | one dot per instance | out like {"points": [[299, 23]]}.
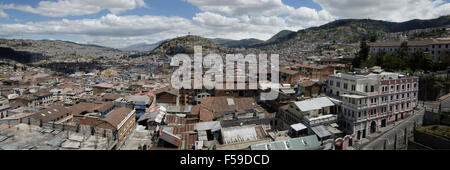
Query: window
{"points": [[338, 84], [353, 87], [345, 85], [331, 82], [398, 87]]}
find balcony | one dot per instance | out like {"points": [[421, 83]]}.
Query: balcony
{"points": [[330, 118], [356, 107]]}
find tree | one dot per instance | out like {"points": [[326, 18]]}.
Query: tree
{"points": [[362, 55], [444, 60], [379, 58], [364, 50], [356, 63], [420, 60], [403, 50], [372, 37], [393, 62], [427, 62]]}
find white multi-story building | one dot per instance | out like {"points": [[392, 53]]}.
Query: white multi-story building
{"points": [[370, 101], [433, 46]]}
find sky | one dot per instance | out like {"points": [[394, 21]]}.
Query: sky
{"points": [[120, 23]]}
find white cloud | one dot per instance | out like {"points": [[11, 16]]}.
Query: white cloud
{"points": [[106, 28], [3, 14], [63, 8], [307, 17], [398, 10], [232, 19], [261, 27], [243, 7]]}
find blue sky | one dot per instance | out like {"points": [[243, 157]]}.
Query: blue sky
{"points": [[157, 7], [119, 23]]}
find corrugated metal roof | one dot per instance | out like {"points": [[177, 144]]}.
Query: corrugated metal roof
{"points": [[301, 143], [314, 104], [298, 126], [243, 134], [213, 126], [321, 131]]}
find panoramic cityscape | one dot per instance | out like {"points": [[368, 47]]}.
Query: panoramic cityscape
{"points": [[224, 75]]}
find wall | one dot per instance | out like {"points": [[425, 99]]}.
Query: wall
{"points": [[84, 129], [126, 129], [397, 138], [166, 98], [431, 141]]}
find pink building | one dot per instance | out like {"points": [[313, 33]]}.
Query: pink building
{"points": [[371, 101]]}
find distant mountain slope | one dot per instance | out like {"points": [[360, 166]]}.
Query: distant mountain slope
{"points": [[390, 26], [142, 47], [351, 30], [236, 43], [57, 48], [186, 45], [277, 38]]}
